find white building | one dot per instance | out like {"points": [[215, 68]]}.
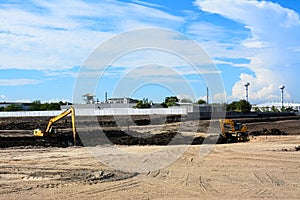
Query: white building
{"points": [[88, 98], [121, 100], [268, 106]]}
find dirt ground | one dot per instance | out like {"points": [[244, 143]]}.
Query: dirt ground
{"points": [[267, 167]]}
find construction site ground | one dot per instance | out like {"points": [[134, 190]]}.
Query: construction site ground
{"points": [[266, 167]]}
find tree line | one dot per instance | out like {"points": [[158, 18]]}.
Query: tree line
{"points": [[235, 106], [238, 106], [168, 102], [34, 106]]}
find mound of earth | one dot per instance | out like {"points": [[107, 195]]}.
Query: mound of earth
{"points": [[272, 131]]}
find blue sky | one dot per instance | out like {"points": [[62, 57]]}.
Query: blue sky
{"points": [[43, 45]]}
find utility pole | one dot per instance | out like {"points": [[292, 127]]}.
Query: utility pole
{"points": [[105, 97], [207, 94], [282, 88]]}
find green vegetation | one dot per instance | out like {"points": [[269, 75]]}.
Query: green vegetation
{"points": [[201, 101], [274, 109], [164, 105], [239, 106], [171, 101], [257, 109], [288, 109], [34, 106], [13, 107], [38, 106], [145, 103]]}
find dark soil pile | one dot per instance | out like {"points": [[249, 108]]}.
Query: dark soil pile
{"points": [[272, 131]]}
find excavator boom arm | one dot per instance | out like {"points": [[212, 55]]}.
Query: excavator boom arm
{"points": [[59, 117], [223, 122]]}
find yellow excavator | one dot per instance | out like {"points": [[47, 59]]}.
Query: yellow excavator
{"points": [[48, 132], [232, 131]]}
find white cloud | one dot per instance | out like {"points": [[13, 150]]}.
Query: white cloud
{"points": [[217, 40], [186, 96], [55, 100], [24, 100], [157, 62], [61, 34], [152, 56], [261, 88], [252, 43], [3, 97], [60, 73], [17, 82], [218, 97], [272, 48], [147, 3]]}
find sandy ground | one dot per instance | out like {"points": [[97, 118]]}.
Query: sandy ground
{"points": [[267, 167]]}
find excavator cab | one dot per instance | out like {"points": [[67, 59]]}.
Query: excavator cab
{"points": [[38, 132], [237, 126]]}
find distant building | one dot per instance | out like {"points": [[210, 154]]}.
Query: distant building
{"points": [[111, 103], [88, 98], [268, 106], [121, 101]]}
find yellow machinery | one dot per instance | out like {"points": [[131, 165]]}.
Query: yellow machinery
{"points": [[48, 131], [233, 131]]}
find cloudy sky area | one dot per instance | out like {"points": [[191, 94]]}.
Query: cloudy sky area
{"points": [[44, 43]]}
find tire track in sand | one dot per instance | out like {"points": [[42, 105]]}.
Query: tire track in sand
{"points": [[122, 186], [269, 186], [205, 186]]}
